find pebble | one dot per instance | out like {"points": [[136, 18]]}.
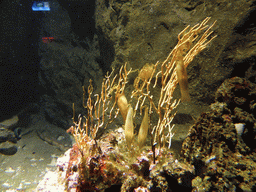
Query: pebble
{"points": [[20, 187], [60, 138], [6, 185], [9, 170], [27, 183], [239, 128], [54, 156], [33, 165]]}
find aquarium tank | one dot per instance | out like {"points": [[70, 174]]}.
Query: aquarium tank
{"points": [[130, 96]]}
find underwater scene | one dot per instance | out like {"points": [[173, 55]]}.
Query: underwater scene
{"points": [[128, 95]]}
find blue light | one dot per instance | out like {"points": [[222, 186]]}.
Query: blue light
{"points": [[41, 6]]}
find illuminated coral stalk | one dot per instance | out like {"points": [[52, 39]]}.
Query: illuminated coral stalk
{"points": [[101, 109], [173, 70]]}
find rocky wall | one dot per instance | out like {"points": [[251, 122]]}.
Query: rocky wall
{"points": [[141, 32], [67, 63]]}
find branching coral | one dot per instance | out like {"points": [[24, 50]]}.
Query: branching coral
{"points": [[102, 110], [111, 100], [172, 71], [98, 155]]}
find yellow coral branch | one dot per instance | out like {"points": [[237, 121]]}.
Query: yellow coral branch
{"points": [[173, 70]]}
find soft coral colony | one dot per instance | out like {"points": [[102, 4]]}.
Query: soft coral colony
{"points": [[101, 159]]}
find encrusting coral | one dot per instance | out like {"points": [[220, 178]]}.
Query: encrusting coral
{"points": [[102, 160]]}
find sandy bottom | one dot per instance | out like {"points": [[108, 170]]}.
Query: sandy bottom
{"points": [[24, 170]]}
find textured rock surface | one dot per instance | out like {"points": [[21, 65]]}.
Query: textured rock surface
{"points": [[7, 142], [67, 64], [140, 32], [8, 139], [224, 159], [116, 168], [64, 71], [9, 123]]}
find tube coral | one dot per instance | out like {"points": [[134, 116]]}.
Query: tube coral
{"points": [[183, 80], [128, 127], [143, 132], [122, 105]]}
